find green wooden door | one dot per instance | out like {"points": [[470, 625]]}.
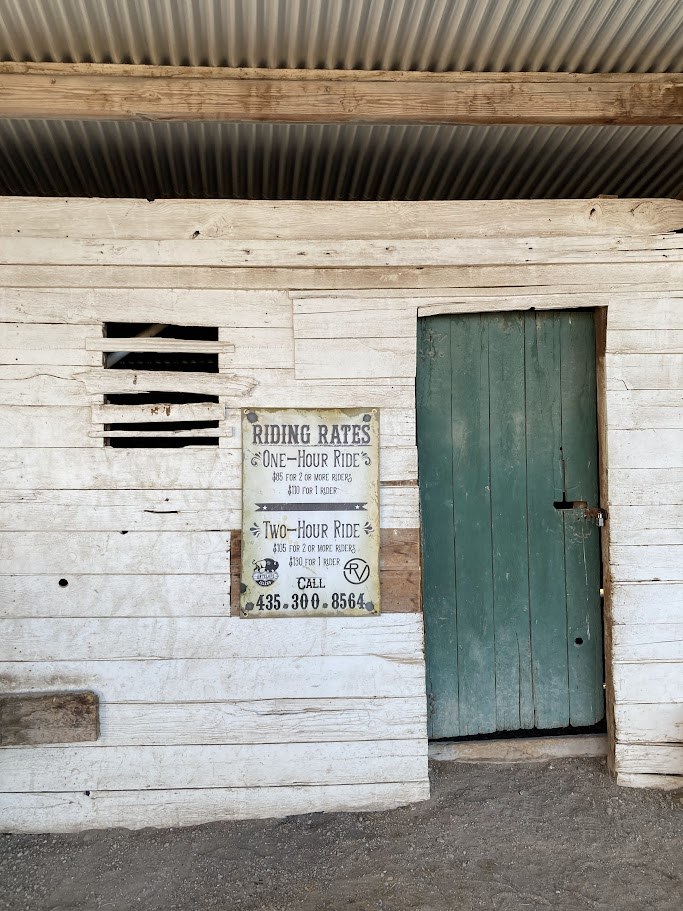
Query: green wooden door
{"points": [[507, 440]]}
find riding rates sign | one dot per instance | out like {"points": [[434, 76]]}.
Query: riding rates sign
{"points": [[310, 513]]}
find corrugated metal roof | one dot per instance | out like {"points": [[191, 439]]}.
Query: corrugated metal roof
{"points": [[517, 35], [344, 161], [326, 161]]}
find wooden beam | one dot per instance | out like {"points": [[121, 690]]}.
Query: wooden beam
{"points": [[120, 92]]}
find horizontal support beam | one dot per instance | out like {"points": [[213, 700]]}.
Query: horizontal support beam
{"points": [[119, 92]]}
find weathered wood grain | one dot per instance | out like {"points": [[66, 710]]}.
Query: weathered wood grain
{"points": [[646, 563], [646, 602], [347, 358], [400, 576], [46, 427], [649, 723], [167, 219], [226, 638], [148, 469], [646, 682], [114, 595], [208, 680], [651, 448], [589, 277], [31, 719], [657, 782], [379, 253], [113, 302], [645, 341], [648, 642], [656, 525], [35, 343], [652, 758], [645, 408], [211, 766], [77, 92], [106, 552], [158, 510], [106, 468], [649, 371], [72, 811], [259, 388], [645, 486]]}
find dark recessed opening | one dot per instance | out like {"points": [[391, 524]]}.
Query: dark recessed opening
{"points": [[176, 432], [63, 583]]}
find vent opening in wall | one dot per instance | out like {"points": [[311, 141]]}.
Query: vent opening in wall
{"points": [[170, 417]]}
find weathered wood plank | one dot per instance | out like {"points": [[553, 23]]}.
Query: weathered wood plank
{"points": [[657, 525], [114, 552], [74, 811], [348, 318], [76, 91], [645, 341], [211, 765], [114, 595], [648, 642], [166, 219], [158, 510], [648, 682], [589, 277], [46, 427], [161, 345], [135, 414], [634, 313], [651, 448], [645, 486], [646, 563], [144, 469], [655, 758], [260, 388], [649, 723], [657, 782], [647, 371], [226, 638], [206, 680], [348, 358], [114, 302], [69, 469], [637, 408], [399, 562], [35, 343], [382, 253], [30, 719], [647, 602], [264, 721]]}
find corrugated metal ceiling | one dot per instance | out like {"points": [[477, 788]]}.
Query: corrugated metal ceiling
{"points": [[517, 35], [344, 162], [325, 161]]}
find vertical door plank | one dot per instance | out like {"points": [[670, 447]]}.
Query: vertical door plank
{"points": [[514, 693], [581, 535], [546, 538], [433, 391], [470, 417]]}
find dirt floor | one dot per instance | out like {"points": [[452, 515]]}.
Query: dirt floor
{"points": [[557, 835]]}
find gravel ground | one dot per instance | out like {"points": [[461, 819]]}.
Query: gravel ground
{"points": [[558, 835]]}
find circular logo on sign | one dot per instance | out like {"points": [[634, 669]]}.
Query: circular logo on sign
{"points": [[356, 571]]}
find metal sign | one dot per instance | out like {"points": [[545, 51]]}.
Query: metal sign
{"points": [[310, 512]]}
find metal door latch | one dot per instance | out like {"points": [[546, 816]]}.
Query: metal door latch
{"points": [[595, 512]]}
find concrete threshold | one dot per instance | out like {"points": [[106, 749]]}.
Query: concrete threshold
{"points": [[520, 749]]}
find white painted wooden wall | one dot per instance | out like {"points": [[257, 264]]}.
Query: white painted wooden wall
{"points": [[210, 717]]}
